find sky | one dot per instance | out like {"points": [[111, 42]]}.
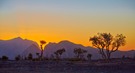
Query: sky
{"points": [[73, 20]]}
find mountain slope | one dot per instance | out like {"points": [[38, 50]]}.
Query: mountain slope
{"points": [[14, 47], [33, 49], [69, 47]]}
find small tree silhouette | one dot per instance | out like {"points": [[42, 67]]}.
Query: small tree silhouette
{"points": [[59, 52], [89, 56], [38, 56], [4, 58], [107, 44], [79, 52], [30, 56], [42, 42], [17, 58]]}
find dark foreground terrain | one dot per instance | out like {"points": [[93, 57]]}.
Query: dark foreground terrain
{"points": [[65, 67]]}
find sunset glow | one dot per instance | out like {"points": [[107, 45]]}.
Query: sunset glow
{"points": [[73, 20]]}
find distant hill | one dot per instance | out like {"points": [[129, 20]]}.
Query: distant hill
{"points": [[33, 49], [69, 47], [17, 46]]}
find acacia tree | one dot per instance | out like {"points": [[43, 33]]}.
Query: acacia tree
{"points": [[59, 52], [42, 42], [79, 52], [107, 44]]}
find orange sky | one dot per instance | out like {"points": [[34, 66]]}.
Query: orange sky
{"points": [[54, 22]]}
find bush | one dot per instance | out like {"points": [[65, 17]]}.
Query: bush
{"points": [[30, 56], [17, 58], [4, 58]]}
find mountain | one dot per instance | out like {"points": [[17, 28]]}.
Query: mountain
{"points": [[33, 49], [69, 47], [23, 47], [119, 53], [17, 46]]}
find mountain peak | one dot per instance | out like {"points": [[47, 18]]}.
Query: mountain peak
{"points": [[65, 41], [69, 42], [17, 46], [17, 38]]}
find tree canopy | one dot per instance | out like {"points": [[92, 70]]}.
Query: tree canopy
{"points": [[107, 44]]}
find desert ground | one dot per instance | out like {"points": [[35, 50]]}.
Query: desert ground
{"points": [[66, 67]]}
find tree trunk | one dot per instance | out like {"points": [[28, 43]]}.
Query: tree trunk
{"points": [[41, 56], [41, 53]]}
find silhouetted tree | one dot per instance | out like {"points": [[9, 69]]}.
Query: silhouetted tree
{"points": [[4, 58], [79, 52], [123, 57], [17, 58], [107, 44], [59, 52], [89, 56], [30, 56], [25, 58], [38, 56], [42, 42]]}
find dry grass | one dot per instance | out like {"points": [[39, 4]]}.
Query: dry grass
{"points": [[64, 67]]}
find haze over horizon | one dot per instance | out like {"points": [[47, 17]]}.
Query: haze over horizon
{"points": [[73, 20]]}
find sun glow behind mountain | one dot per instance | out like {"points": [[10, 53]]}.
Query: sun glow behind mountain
{"points": [[74, 20]]}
